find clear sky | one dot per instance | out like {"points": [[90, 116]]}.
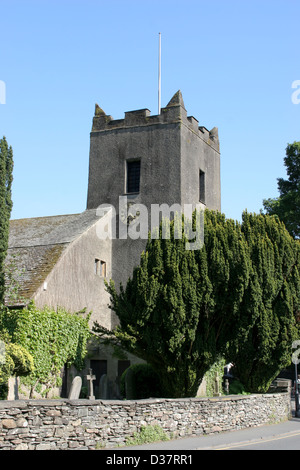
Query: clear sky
{"points": [[234, 62]]}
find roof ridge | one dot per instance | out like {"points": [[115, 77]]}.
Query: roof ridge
{"points": [[46, 216], [51, 230]]}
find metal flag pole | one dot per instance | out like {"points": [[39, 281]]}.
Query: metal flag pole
{"points": [[159, 74]]}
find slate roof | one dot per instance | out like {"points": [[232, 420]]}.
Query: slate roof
{"points": [[36, 244]]}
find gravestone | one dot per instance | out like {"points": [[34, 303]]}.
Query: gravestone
{"points": [[103, 387], [13, 388], [75, 388], [129, 385]]}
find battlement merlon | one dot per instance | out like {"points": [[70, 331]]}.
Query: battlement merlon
{"points": [[174, 112]]}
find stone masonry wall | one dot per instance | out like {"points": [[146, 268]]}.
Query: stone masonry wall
{"points": [[86, 424]]}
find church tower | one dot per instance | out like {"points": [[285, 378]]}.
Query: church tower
{"points": [[159, 159], [166, 158]]}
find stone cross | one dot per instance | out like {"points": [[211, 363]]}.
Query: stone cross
{"points": [[217, 386], [227, 386], [90, 377]]}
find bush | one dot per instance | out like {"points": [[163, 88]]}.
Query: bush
{"points": [[146, 435], [53, 338], [237, 388], [16, 361], [145, 382], [210, 376]]}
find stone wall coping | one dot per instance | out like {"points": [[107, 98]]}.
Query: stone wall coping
{"points": [[23, 403]]}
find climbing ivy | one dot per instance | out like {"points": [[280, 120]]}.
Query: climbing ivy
{"points": [[14, 360], [53, 338], [210, 376]]}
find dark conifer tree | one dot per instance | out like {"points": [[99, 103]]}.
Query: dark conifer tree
{"points": [[238, 297], [6, 178], [287, 205], [271, 305], [180, 307]]}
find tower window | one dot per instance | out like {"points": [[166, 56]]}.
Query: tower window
{"points": [[133, 176], [202, 186], [100, 267]]}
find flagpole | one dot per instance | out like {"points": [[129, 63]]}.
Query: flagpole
{"points": [[159, 74]]}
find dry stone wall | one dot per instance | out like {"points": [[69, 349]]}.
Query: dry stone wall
{"points": [[88, 424]]}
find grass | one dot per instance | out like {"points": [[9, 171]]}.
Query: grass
{"points": [[146, 435]]}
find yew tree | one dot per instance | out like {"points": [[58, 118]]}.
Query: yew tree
{"points": [[180, 307], [271, 305], [6, 178], [238, 296], [287, 205]]}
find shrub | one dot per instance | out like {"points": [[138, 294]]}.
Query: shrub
{"points": [[146, 435], [145, 382], [53, 338], [15, 360], [237, 388]]}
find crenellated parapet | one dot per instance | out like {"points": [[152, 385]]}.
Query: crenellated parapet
{"points": [[174, 112]]}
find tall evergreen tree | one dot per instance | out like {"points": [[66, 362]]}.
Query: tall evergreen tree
{"points": [[239, 296], [180, 307], [271, 304], [6, 178], [287, 205], [159, 313]]}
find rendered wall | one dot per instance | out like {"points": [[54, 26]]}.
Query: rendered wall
{"points": [[73, 282]]}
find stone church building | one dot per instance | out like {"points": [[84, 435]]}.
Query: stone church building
{"points": [[142, 159]]}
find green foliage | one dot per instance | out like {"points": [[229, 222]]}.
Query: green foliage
{"points": [[287, 205], [147, 434], [236, 388], [237, 297], [180, 307], [53, 338], [14, 360], [224, 260], [271, 303], [146, 382], [6, 177], [210, 376]]}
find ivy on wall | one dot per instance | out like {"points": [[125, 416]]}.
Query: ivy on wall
{"points": [[217, 369], [54, 338], [14, 360]]}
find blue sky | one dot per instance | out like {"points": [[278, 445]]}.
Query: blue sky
{"points": [[234, 62]]}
